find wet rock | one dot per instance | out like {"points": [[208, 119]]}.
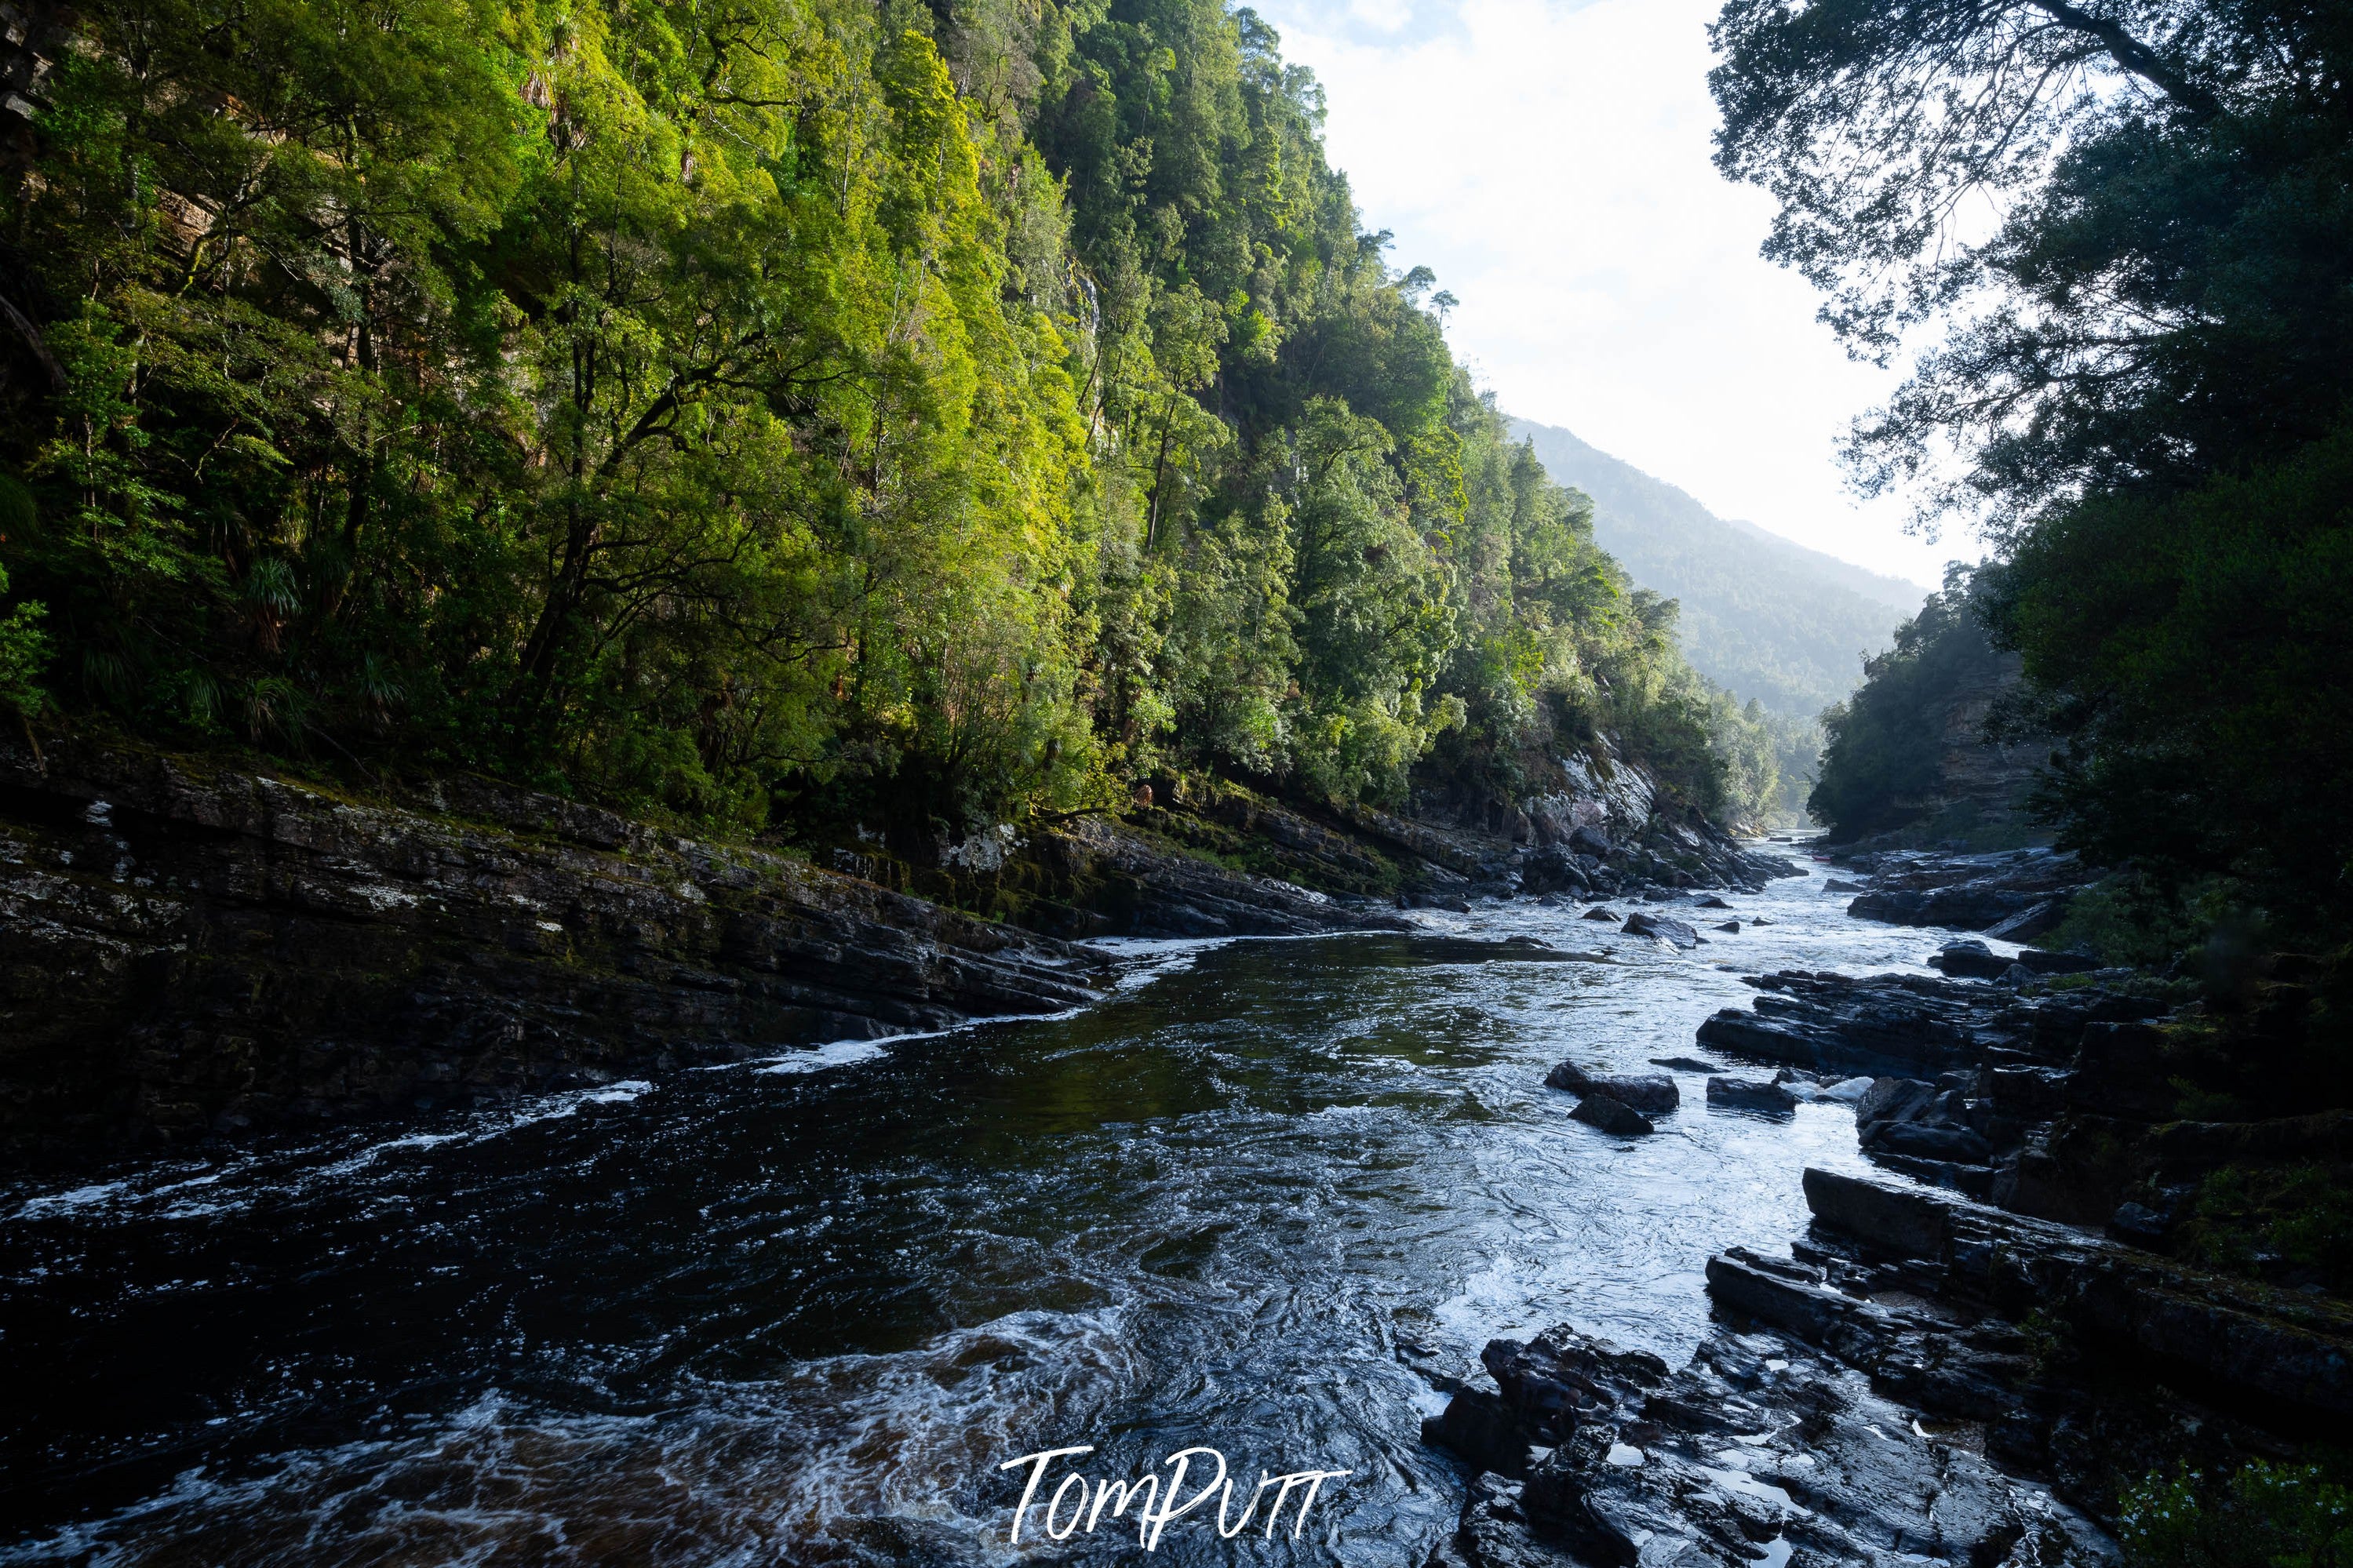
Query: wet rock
{"points": [[1970, 892], [1667, 928], [286, 954], [1552, 868], [1477, 1424], [1919, 1121], [1602, 914], [1712, 902], [1685, 1064], [1655, 1093], [1732, 926], [1750, 1094], [2140, 1224], [2030, 923], [1758, 1450], [1830, 1022], [1896, 1221], [2036, 962], [2253, 1350], [1970, 959], [1611, 1115]]}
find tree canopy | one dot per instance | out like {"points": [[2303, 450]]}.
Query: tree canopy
{"points": [[774, 412], [2123, 231]]}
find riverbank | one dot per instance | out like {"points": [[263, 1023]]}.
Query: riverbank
{"points": [[197, 949]]}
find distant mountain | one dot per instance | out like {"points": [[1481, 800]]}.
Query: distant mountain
{"points": [[1766, 617]]}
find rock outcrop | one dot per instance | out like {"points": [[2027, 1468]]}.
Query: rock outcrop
{"points": [[189, 952], [1924, 1378], [1975, 1085], [2017, 895]]}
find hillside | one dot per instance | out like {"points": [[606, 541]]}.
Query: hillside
{"points": [[1767, 617]]}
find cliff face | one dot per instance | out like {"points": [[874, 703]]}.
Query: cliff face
{"points": [[188, 952], [1982, 783]]}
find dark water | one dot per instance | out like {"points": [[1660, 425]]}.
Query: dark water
{"points": [[800, 1313]]}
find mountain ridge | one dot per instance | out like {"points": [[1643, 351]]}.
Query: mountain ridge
{"points": [[1764, 617]]}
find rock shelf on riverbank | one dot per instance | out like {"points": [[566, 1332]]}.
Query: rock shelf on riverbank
{"points": [[1923, 1377], [2017, 895]]}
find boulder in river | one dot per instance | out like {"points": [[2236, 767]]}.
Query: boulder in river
{"points": [[1750, 1094], [1732, 926], [1601, 913], [1611, 1116], [1652, 1092], [1666, 927], [1712, 902]]}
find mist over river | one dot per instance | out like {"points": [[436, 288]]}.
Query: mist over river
{"points": [[800, 1311]]}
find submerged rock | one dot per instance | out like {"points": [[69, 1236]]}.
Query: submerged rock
{"points": [[1611, 1115], [1652, 1092], [1750, 1094], [1666, 927]]}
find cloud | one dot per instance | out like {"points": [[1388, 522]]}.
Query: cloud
{"points": [[1550, 161]]}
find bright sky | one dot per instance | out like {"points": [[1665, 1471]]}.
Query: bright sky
{"points": [[1549, 160]]}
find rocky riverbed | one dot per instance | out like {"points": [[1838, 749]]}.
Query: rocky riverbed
{"points": [[1939, 1367]]}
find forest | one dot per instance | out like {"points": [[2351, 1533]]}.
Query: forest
{"points": [[771, 413], [2136, 379]]}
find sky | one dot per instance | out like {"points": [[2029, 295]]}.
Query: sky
{"points": [[1549, 161]]}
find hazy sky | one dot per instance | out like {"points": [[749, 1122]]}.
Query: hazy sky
{"points": [[1549, 160]]}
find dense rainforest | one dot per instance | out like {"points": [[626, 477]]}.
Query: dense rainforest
{"points": [[2118, 239], [770, 412]]}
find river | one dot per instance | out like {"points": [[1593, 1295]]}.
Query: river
{"points": [[800, 1311]]}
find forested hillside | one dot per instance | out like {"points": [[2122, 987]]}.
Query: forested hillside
{"points": [[1764, 617], [770, 413], [2143, 389]]}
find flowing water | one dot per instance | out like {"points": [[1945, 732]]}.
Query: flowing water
{"points": [[801, 1311]]}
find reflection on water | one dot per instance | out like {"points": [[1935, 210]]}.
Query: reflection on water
{"points": [[759, 1316]]}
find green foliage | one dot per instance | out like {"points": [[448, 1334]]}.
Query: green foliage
{"points": [[2275, 1220], [1768, 618], [786, 412], [2133, 918], [1882, 757], [2262, 1515], [2143, 386], [2194, 651], [24, 648]]}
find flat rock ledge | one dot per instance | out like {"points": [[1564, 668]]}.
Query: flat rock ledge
{"points": [[192, 951], [1924, 1378]]}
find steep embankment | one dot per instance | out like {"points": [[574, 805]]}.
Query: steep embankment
{"points": [[1767, 618]]}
